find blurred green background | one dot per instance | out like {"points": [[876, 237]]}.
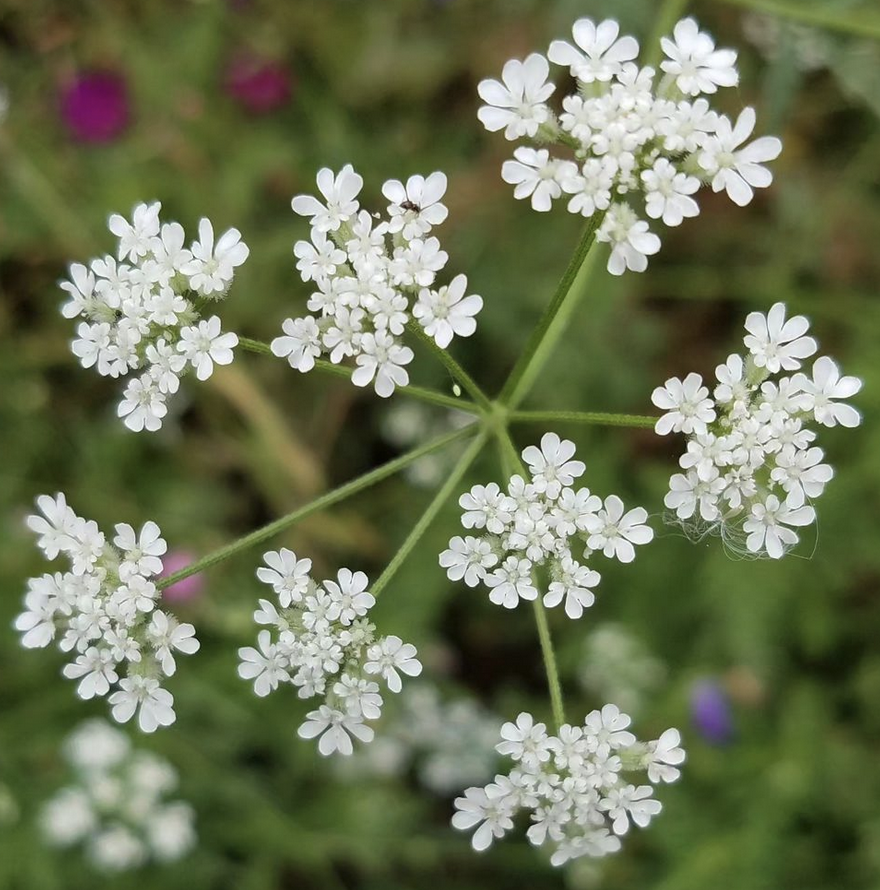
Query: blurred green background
{"points": [[790, 800]]}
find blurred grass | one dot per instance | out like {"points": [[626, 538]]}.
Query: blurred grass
{"points": [[390, 87]]}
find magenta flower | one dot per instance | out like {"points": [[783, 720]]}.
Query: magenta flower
{"points": [[95, 106], [187, 589], [259, 85], [711, 712]]}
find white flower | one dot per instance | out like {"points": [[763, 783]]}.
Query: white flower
{"points": [[301, 344], [318, 258], [490, 812], [663, 756], [169, 254], [340, 192], [486, 506], [468, 558], [608, 730], [668, 193], [335, 729], [767, 527], [166, 365], [83, 300], [826, 386], [266, 667], [136, 237], [417, 264], [446, 312], [685, 128], [203, 345], [166, 634], [349, 597], [625, 802], [518, 104], [211, 268], [776, 343], [801, 474], [143, 405], [511, 582], [382, 358], [552, 466], [142, 553], [95, 667], [687, 403], [287, 575], [734, 169], [389, 656], [416, 208], [361, 697], [573, 585], [603, 54], [687, 492], [55, 526], [631, 242], [731, 381], [695, 63], [137, 692], [614, 532], [591, 188], [536, 175], [525, 741]]}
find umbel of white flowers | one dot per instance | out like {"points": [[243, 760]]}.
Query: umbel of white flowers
{"points": [[142, 310], [371, 278], [104, 612], [542, 521], [322, 642], [574, 783], [751, 470], [117, 804], [640, 147]]}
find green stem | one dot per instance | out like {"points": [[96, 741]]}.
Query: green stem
{"points": [[860, 22], [416, 392], [512, 463], [553, 322], [443, 495], [325, 500], [595, 417], [454, 368], [670, 12]]}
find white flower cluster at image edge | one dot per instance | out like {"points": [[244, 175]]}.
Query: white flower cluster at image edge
{"points": [[103, 613], [322, 642], [117, 806], [574, 784], [542, 521], [643, 143], [142, 310], [751, 468], [372, 278]]}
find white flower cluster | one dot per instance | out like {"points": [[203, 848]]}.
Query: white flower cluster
{"points": [[117, 806], [538, 523], [372, 277], [639, 147], [142, 309], [574, 784], [105, 611], [325, 646], [750, 468]]}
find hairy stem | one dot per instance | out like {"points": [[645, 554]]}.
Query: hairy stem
{"points": [[416, 392], [443, 495], [597, 418], [512, 463], [454, 368], [325, 500], [552, 323]]}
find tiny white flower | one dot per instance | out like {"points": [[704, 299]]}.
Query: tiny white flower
{"points": [[615, 532], [695, 63], [340, 192], [537, 176], [825, 387], [205, 344], [135, 237], [382, 359], [490, 813], [212, 267], [301, 343], [335, 729], [266, 667], [416, 207], [517, 104], [143, 405], [511, 582], [167, 634], [668, 193], [143, 552], [349, 597], [600, 54], [287, 575], [776, 343], [687, 403], [95, 670], [552, 466], [155, 706], [735, 169], [389, 656], [767, 526], [446, 312], [631, 241], [468, 558]]}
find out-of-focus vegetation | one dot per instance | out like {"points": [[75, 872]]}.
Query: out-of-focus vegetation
{"points": [[791, 799]]}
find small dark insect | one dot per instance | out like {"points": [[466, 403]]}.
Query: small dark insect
{"points": [[409, 205]]}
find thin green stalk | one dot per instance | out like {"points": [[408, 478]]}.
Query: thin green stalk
{"points": [[594, 417], [325, 500], [553, 322], [454, 368], [416, 392], [513, 463], [443, 495], [861, 22], [670, 12]]}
